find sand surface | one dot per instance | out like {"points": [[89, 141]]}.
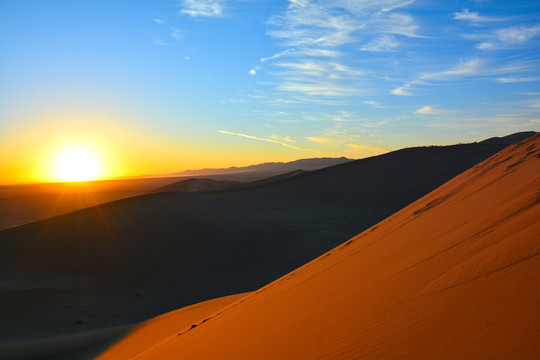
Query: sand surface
{"points": [[126, 261], [152, 332], [454, 275]]}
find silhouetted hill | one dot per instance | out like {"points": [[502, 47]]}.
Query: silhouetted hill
{"points": [[277, 167], [510, 139], [198, 185], [208, 184]]}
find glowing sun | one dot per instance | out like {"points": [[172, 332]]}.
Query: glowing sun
{"points": [[77, 164]]}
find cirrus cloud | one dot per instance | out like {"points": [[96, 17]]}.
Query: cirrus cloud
{"points": [[209, 8]]}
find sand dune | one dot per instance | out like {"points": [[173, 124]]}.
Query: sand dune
{"points": [[454, 275], [152, 332], [125, 261], [197, 185], [209, 184]]}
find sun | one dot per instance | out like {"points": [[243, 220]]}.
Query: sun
{"points": [[77, 164]]}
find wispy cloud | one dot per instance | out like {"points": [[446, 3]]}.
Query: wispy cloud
{"points": [[277, 55], [284, 138], [394, 23], [518, 79], [467, 67], [316, 34], [381, 43], [159, 42], [361, 148], [176, 34], [323, 24], [374, 104], [401, 90], [510, 37], [510, 122], [264, 139], [326, 69], [209, 8], [321, 140], [474, 67], [428, 110], [315, 77], [159, 21], [319, 53], [474, 17], [313, 88]]}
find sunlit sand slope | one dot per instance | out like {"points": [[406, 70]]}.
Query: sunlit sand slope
{"points": [[452, 276], [152, 332]]}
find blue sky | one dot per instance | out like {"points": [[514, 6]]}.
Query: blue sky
{"points": [[223, 82]]}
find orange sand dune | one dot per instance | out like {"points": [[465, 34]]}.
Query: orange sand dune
{"points": [[452, 276], [151, 332]]}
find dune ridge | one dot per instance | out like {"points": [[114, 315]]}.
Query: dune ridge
{"points": [[452, 275]]}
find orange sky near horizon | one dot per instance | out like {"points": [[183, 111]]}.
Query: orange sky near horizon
{"points": [[124, 150]]}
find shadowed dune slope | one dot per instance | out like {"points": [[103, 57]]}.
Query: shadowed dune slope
{"points": [[198, 185], [128, 260], [454, 275]]}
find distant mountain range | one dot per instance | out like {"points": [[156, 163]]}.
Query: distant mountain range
{"points": [[277, 167]]}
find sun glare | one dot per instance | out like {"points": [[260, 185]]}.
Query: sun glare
{"points": [[77, 165]]}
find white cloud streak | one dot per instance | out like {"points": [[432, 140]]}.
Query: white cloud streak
{"points": [[264, 139], [318, 88], [480, 67], [474, 17], [510, 37], [357, 147], [394, 23], [467, 67], [375, 104], [285, 138], [401, 90], [277, 55], [381, 43], [517, 79], [428, 110], [208, 8], [325, 69], [321, 140]]}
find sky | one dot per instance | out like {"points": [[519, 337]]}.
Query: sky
{"points": [[160, 86]]}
